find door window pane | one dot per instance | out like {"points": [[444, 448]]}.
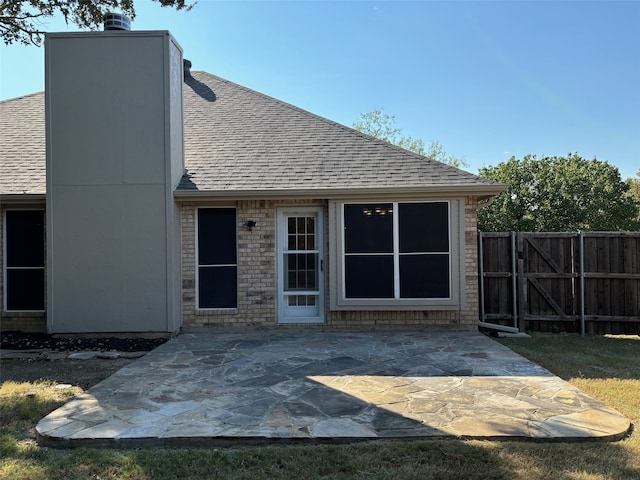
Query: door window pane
{"points": [[301, 300], [301, 233], [301, 271]]}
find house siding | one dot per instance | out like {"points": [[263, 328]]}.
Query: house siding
{"points": [[257, 282]]}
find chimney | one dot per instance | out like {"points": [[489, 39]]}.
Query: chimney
{"points": [[114, 128], [186, 65]]}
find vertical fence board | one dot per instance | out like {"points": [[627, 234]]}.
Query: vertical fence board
{"points": [[549, 282]]}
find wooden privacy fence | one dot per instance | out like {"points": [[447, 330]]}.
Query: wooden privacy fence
{"points": [[587, 282]]}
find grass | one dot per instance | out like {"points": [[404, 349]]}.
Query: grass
{"points": [[604, 367]]}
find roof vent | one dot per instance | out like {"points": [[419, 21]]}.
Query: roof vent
{"points": [[116, 21]]}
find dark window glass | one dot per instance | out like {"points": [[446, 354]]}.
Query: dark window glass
{"points": [[369, 276], [217, 236], [424, 276], [25, 259], [217, 258], [423, 227], [25, 238], [302, 271], [368, 228], [217, 287], [25, 289]]}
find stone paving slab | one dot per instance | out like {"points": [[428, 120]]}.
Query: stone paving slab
{"points": [[213, 387], [37, 354]]}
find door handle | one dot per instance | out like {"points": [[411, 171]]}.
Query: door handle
{"points": [[322, 265]]}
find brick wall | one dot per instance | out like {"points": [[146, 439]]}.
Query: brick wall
{"points": [[256, 267], [257, 288], [257, 279], [470, 315]]}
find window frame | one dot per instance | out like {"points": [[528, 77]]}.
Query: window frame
{"points": [[198, 308], [456, 251], [6, 267]]}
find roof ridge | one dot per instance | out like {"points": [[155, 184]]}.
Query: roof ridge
{"points": [[6, 100]]}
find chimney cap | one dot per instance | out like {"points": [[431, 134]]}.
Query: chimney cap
{"points": [[116, 21]]}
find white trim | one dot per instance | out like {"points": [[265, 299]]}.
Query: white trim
{"points": [[396, 250], [196, 222], [339, 194], [281, 241]]}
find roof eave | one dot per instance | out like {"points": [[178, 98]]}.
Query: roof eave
{"points": [[481, 191]]}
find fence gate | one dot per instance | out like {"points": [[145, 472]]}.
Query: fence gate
{"points": [[560, 282]]}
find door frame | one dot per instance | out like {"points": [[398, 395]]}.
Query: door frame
{"points": [[281, 232]]}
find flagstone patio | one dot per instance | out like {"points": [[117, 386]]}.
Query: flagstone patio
{"points": [[215, 388]]}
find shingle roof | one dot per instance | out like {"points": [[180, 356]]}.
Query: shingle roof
{"points": [[22, 145], [238, 140]]}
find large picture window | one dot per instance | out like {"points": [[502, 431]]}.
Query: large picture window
{"points": [[217, 258], [397, 254], [24, 260]]}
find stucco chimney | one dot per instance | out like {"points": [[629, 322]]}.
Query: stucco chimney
{"points": [[114, 123]]}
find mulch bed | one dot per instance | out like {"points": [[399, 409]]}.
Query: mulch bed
{"points": [[33, 341]]}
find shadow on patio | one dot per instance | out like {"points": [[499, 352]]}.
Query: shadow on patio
{"points": [[213, 387]]}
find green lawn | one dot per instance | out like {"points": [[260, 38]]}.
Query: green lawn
{"points": [[604, 367]]}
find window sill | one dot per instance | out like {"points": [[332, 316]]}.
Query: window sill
{"points": [[215, 311], [392, 307], [24, 313]]}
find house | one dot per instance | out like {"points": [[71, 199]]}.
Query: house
{"points": [[138, 197]]}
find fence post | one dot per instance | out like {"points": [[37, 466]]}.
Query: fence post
{"points": [[514, 280], [522, 284], [581, 260], [481, 279]]}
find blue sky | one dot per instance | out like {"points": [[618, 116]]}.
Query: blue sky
{"points": [[488, 80]]}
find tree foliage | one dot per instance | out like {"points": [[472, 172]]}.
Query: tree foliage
{"points": [[634, 192], [21, 21], [382, 125], [558, 194]]}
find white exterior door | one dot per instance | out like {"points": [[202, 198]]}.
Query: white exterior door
{"points": [[300, 265]]}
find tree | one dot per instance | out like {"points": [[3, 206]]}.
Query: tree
{"points": [[381, 125], [634, 192], [437, 152], [21, 20], [558, 194]]}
